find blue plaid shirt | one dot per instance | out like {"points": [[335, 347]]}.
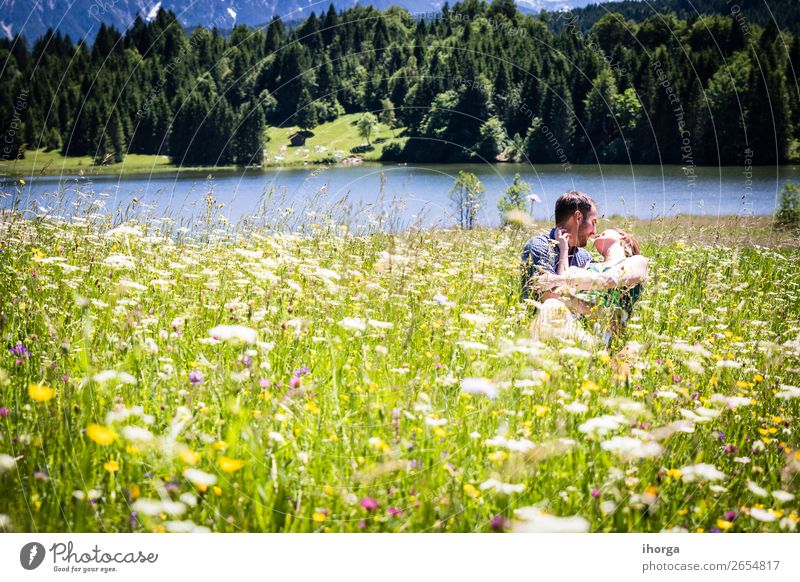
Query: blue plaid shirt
{"points": [[542, 250]]}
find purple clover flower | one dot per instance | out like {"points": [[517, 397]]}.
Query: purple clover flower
{"points": [[4, 412], [498, 523], [369, 504], [394, 511], [20, 350], [301, 371], [195, 377]]}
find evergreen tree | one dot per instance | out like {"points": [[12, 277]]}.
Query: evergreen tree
{"points": [[275, 35], [768, 101], [306, 116], [599, 123], [250, 138]]}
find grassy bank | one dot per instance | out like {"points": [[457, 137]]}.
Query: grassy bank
{"points": [[52, 163], [331, 142], [384, 383]]}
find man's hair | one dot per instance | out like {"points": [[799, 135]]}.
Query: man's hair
{"points": [[629, 243], [569, 202]]}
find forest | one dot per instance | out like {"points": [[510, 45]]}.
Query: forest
{"points": [[476, 82]]}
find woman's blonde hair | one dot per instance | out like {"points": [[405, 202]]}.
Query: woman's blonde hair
{"points": [[629, 243]]}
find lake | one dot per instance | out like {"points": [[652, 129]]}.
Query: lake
{"points": [[397, 196]]}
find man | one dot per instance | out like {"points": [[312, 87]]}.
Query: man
{"points": [[576, 219]]}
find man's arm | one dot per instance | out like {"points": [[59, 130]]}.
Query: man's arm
{"points": [[536, 258]]}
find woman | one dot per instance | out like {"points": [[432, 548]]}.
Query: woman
{"points": [[604, 291]]}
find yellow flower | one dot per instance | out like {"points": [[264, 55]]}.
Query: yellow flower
{"points": [[590, 386], [189, 457], [674, 473], [111, 466], [100, 434], [40, 393], [217, 490], [230, 465], [498, 457], [136, 491], [319, 517], [328, 490], [470, 490], [220, 445], [724, 524]]}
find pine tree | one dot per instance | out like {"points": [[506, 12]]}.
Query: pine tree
{"points": [[275, 35], [306, 116], [248, 143]]}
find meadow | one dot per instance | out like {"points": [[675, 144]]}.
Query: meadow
{"points": [[235, 378]]}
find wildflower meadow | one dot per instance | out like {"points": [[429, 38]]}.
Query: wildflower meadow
{"points": [[243, 379]]}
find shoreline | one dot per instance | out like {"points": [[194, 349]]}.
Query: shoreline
{"points": [[137, 169]]}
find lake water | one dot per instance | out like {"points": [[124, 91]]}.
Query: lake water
{"points": [[398, 196]]}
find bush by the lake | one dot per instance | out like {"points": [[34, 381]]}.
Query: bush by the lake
{"points": [[788, 213], [514, 198], [255, 380], [467, 195]]}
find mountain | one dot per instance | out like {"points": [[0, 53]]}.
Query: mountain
{"points": [[80, 19]]}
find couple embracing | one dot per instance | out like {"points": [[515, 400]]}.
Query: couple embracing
{"points": [[578, 298]]}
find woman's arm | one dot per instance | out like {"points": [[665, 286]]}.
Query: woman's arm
{"points": [[628, 273]]}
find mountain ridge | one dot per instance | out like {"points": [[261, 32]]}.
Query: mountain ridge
{"points": [[80, 19]]}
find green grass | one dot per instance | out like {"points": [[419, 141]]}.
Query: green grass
{"points": [[378, 434], [53, 163], [337, 137], [332, 142]]}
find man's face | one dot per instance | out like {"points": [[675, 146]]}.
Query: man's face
{"points": [[587, 225]]}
